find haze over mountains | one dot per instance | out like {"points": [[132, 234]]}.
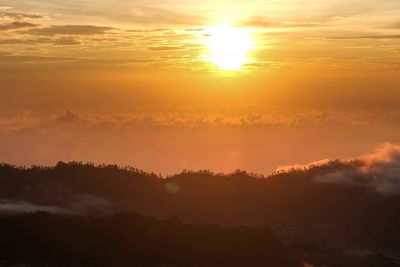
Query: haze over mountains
{"points": [[331, 212], [214, 97]]}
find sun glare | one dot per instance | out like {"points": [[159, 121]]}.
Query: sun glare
{"points": [[228, 47]]}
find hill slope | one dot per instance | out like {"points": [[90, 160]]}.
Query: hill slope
{"points": [[131, 240]]}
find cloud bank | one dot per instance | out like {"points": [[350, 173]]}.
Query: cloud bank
{"points": [[25, 120], [378, 171]]}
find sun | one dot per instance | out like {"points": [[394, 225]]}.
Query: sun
{"points": [[228, 47]]}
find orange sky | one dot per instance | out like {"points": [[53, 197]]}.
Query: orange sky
{"points": [[127, 83]]}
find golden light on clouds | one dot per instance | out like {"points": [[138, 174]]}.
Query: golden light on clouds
{"points": [[228, 47], [220, 78]]}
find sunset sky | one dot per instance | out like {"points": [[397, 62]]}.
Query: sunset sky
{"points": [[137, 83]]}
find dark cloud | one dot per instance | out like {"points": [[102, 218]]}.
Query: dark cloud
{"points": [[66, 41], [71, 30], [67, 117], [14, 26], [23, 41]]}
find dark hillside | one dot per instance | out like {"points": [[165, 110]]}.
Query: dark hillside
{"points": [[132, 240]]}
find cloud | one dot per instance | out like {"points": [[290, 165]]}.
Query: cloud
{"points": [[157, 15], [43, 40], [378, 171], [67, 117], [301, 167], [10, 13], [80, 204], [261, 22], [65, 41], [187, 119], [203, 120], [23, 120], [71, 30], [19, 59], [17, 207], [12, 20], [338, 177], [88, 204], [17, 26], [166, 48], [375, 37], [129, 13]]}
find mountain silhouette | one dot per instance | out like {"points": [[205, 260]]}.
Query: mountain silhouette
{"points": [[324, 222]]}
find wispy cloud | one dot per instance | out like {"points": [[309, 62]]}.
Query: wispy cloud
{"points": [[71, 30], [17, 26], [82, 204], [165, 48], [158, 15], [41, 40], [8, 59], [17, 207], [375, 37], [11, 13], [273, 23], [23, 120], [12, 20]]}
